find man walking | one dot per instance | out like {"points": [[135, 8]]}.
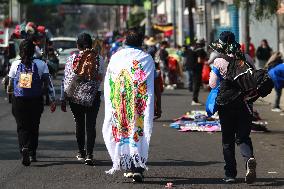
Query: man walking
{"points": [[197, 65], [129, 107]]}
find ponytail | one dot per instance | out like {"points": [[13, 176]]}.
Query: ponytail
{"points": [[27, 49]]}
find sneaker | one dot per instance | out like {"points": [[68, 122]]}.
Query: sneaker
{"points": [[229, 180], [33, 159], [25, 157], [81, 156], [89, 160], [32, 155], [128, 175], [251, 171], [137, 177], [276, 110], [193, 103]]}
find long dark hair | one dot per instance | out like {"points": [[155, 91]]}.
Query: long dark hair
{"points": [[84, 41], [27, 49], [134, 37]]}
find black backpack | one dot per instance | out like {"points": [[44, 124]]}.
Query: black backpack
{"points": [[252, 83]]}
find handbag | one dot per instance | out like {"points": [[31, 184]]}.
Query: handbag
{"points": [[211, 106]]}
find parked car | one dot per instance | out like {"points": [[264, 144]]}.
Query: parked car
{"points": [[65, 47]]}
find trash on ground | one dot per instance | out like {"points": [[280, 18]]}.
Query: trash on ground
{"points": [[169, 185], [272, 172]]}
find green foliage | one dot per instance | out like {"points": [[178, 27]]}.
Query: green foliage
{"points": [[263, 9], [25, 1], [44, 15], [135, 19], [4, 7]]}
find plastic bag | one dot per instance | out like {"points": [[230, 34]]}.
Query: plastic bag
{"points": [[211, 106]]}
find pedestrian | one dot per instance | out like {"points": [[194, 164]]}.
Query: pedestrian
{"points": [[28, 76], [173, 66], [251, 52], [196, 68], [81, 87], [129, 107], [162, 58], [190, 59], [151, 46], [234, 112], [275, 66], [158, 86], [263, 53]]}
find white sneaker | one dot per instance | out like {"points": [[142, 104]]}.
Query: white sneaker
{"points": [[193, 103], [276, 110], [251, 171], [128, 175]]}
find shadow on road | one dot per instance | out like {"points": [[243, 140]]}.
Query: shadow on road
{"points": [[172, 162], [260, 182], [54, 163], [174, 94], [163, 121], [9, 143]]}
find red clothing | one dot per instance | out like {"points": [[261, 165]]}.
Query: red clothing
{"points": [[251, 49]]}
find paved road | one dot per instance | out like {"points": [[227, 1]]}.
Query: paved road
{"points": [[189, 160]]}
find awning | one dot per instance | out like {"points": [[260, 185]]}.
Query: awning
{"points": [[163, 28]]}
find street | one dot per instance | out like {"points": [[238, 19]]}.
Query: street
{"points": [[188, 160]]}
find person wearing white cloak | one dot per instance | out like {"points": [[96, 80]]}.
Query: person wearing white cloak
{"points": [[129, 107]]}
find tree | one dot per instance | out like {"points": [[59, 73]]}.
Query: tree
{"points": [[263, 9], [135, 18]]}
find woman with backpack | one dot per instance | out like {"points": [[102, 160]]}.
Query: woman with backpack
{"points": [[81, 87], [234, 113], [28, 78]]}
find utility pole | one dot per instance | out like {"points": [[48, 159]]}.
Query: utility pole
{"points": [[247, 33], [174, 22], [180, 23], [148, 25], [208, 22], [190, 4]]}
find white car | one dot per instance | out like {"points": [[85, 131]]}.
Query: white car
{"points": [[65, 46]]}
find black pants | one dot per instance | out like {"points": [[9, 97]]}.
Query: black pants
{"points": [[235, 122], [137, 169], [278, 93], [27, 113], [85, 117], [190, 83], [196, 84]]}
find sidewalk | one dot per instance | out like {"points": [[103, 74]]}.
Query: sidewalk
{"points": [[271, 97]]}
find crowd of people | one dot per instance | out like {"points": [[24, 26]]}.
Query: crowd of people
{"points": [[137, 73]]}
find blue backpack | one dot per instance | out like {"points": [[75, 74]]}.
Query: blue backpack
{"points": [[36, 86], [211, 106]]}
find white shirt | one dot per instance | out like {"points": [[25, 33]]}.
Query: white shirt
{"points": [[41, 65]]}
